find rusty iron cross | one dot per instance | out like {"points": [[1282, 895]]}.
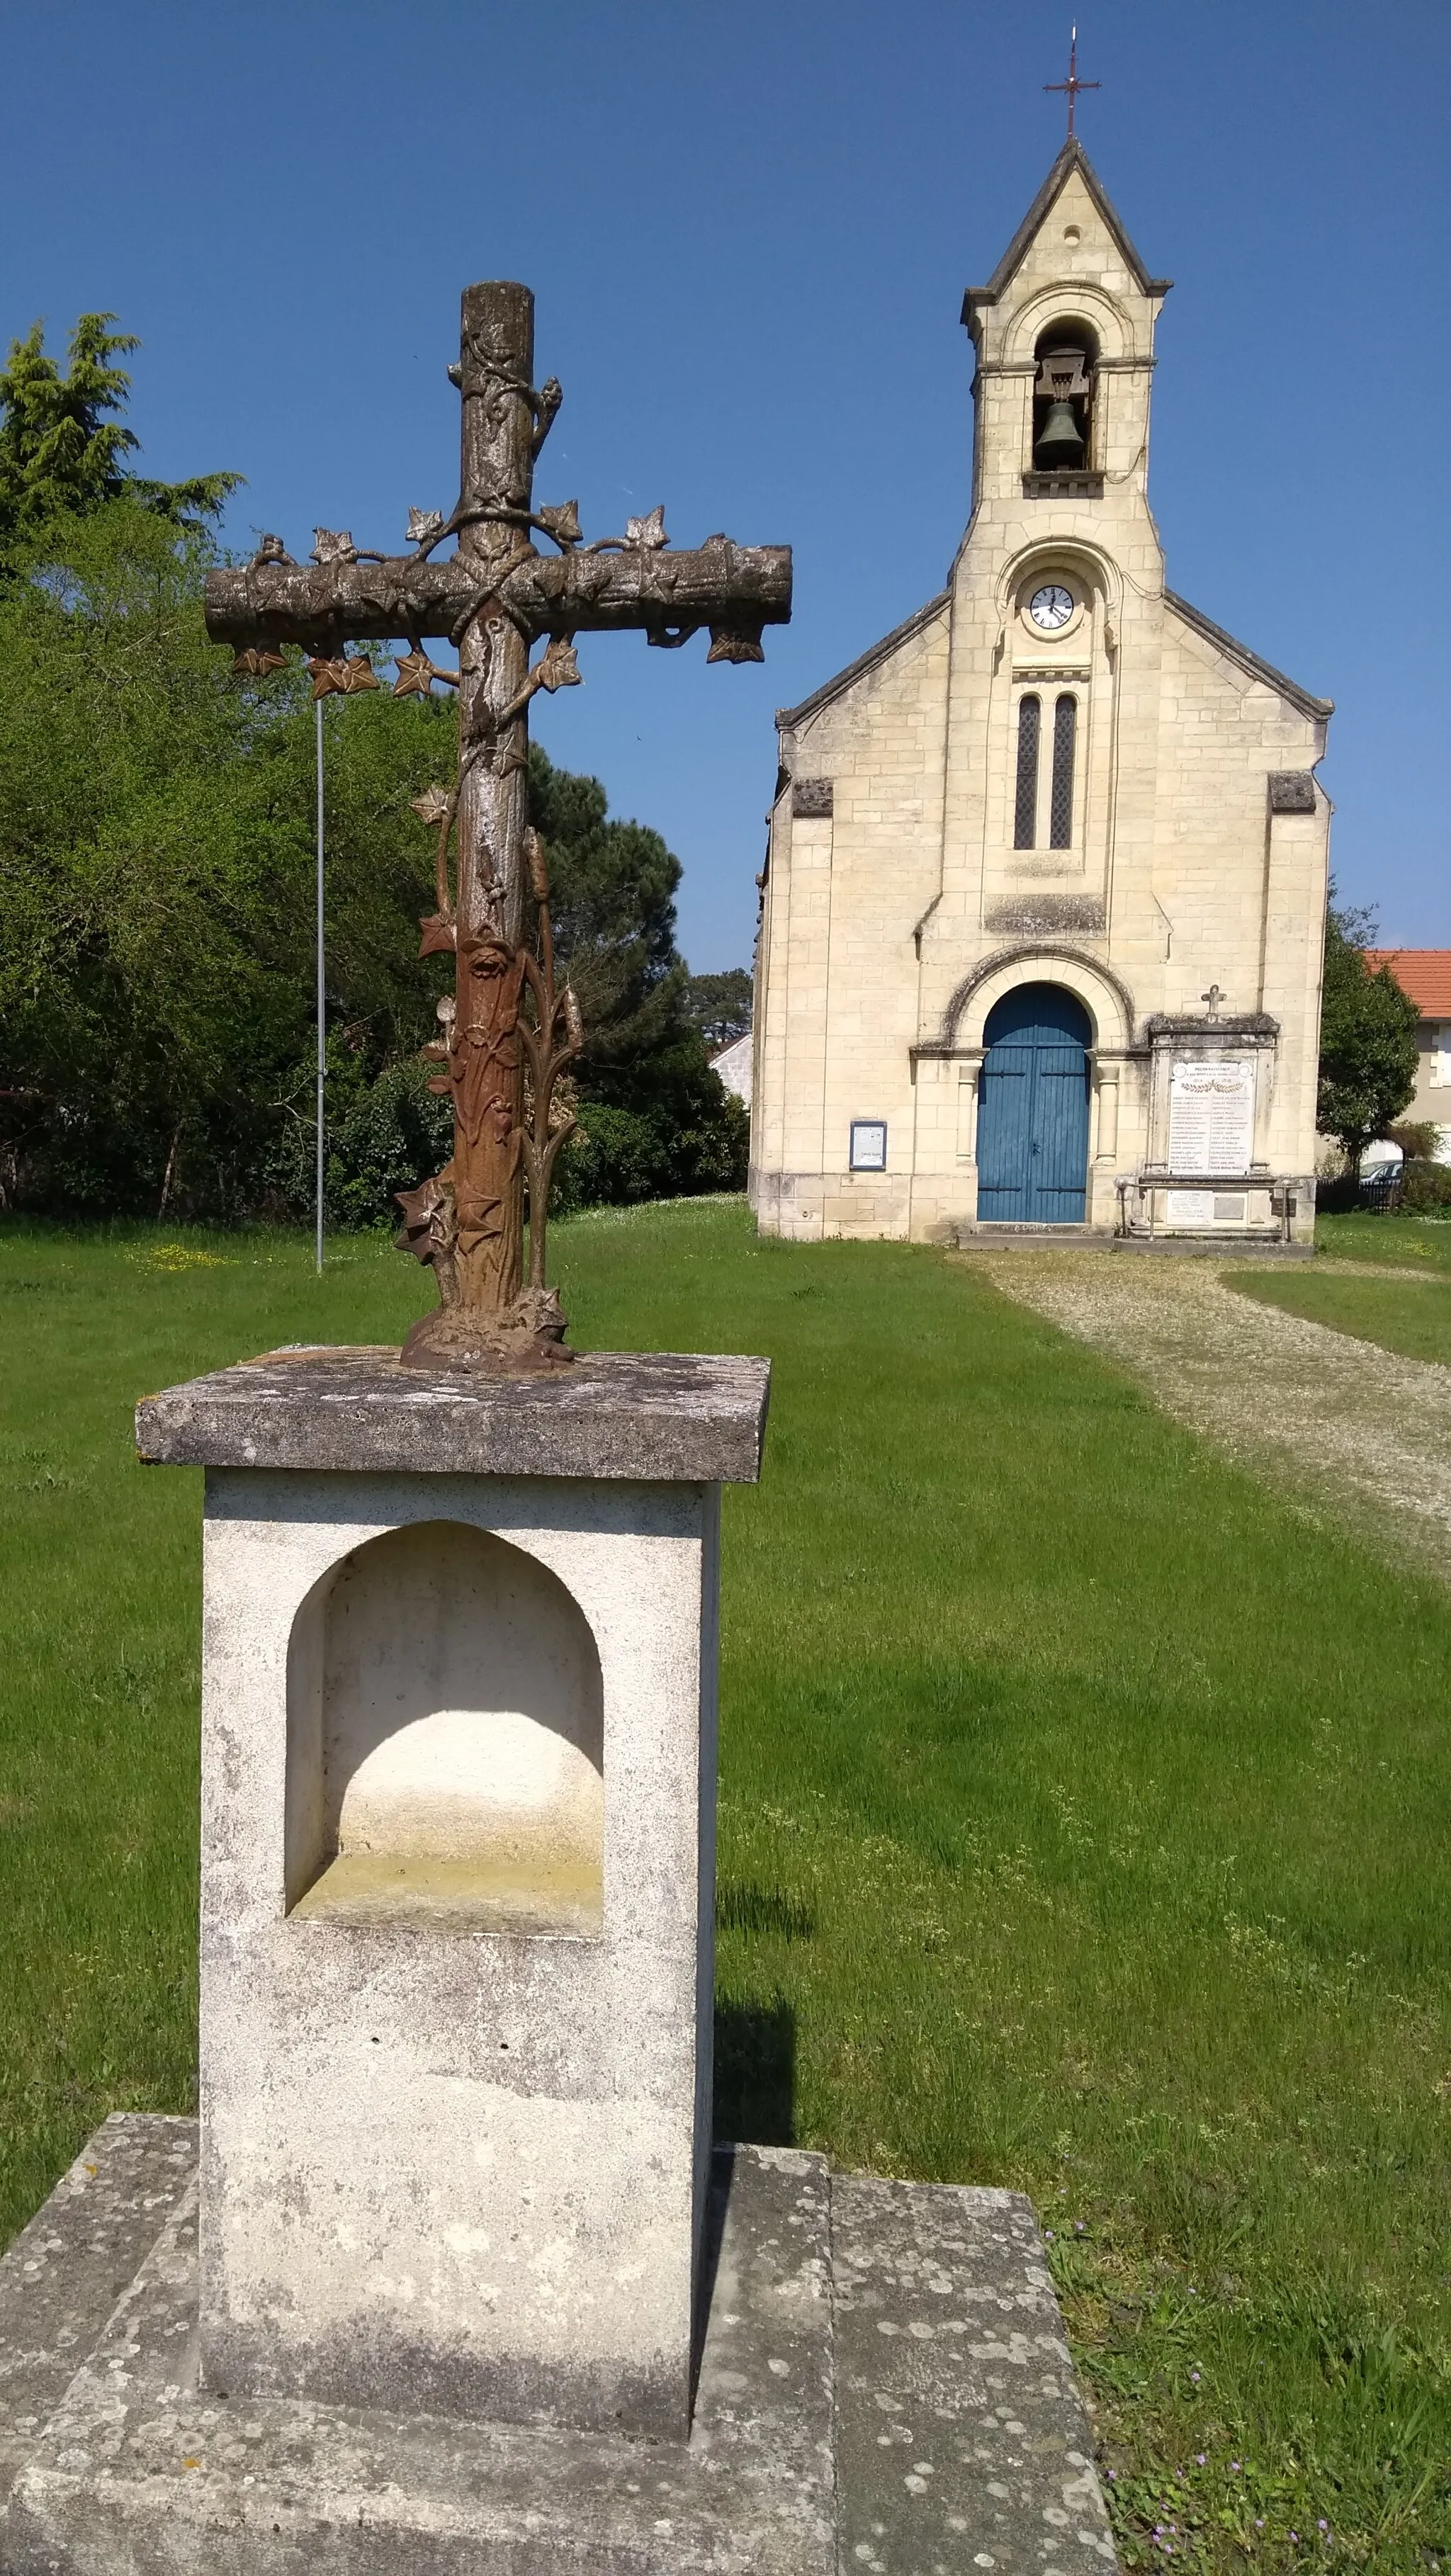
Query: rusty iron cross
{"points": [[493, 598], [1072, 85]]}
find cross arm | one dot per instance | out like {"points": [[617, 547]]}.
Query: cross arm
{"points": [[664, 590], [668, 591], [323, 606]]}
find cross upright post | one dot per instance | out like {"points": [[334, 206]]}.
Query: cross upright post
{"points": [[496, 377], [494, 597]]}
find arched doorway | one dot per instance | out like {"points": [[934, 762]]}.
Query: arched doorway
{"points": [[1032, 1131]]}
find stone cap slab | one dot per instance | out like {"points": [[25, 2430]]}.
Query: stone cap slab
{"points": [[662, 1416]]}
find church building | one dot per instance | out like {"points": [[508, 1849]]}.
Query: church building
{"points": [[1043, 911]]}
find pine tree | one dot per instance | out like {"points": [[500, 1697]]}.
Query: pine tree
{"points": [[60, 454], [720, 1005]]}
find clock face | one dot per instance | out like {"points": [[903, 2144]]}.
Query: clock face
{"points": [[1051, 607]]}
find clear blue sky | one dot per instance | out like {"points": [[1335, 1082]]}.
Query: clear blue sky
{"points": [[748, 227]]}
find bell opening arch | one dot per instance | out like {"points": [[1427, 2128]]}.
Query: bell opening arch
{"points": [[1065, 356]]}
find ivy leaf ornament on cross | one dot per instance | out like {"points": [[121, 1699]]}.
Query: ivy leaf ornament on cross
{"points": [[493, 598]]}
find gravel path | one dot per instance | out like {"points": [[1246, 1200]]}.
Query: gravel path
{"points": [[1361, 1434]]}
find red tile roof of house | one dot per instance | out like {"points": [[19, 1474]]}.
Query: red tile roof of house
{"points": [[1424, 973]]}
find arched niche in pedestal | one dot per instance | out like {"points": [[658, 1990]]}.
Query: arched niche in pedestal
{"points": [[445, 1755]]}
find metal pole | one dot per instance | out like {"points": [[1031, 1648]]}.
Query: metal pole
{"points": [[321, 994]]}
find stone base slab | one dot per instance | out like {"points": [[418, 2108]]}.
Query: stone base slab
{"points": [[884, 2386], [1182, 1247], [1221, 1247]]}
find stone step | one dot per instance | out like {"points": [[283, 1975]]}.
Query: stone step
{"points": [[1077, 1238], [884, 2385]]}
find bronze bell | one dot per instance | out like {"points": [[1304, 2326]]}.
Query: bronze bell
{"points": [[1060, 442]]}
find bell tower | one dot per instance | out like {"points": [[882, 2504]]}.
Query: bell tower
{"points": [[1064, 333]]}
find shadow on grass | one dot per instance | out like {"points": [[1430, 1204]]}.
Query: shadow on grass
{"points": [[742, 1906], [755, 2105], [755, 2073]]}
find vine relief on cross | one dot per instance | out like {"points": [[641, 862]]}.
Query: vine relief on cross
{"points": [[512, 1027]]}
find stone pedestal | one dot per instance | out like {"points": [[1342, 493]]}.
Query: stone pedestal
{"points": [[458, 1798]]}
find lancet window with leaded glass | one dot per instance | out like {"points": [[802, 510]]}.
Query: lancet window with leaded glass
{"points": [[1025, 816]]}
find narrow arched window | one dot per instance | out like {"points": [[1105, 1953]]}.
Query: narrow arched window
{"points": [[1060, 810], [1025, 815]]}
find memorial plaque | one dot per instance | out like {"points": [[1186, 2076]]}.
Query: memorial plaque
{"points": [[1211, 1129]]}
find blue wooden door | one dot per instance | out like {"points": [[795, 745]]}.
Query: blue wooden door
{"points": [[1032, 1122]]}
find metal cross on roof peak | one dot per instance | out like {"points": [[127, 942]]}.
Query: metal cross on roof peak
{"points": [[1072, 85]]}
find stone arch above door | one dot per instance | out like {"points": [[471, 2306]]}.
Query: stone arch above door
{"points": [[1107, 1000]]}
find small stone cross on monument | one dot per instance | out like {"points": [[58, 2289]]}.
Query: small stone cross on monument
{"points": [[1213, 998], [493, 598]]}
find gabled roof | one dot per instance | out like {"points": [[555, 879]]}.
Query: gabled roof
{"points": [[787, 718], [1423, 973], [1248, 661], [1071, 158]]}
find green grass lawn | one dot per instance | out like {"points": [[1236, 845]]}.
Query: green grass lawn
{"points": [[1084, 1825], [1422, 1243], [1411, 1315]]}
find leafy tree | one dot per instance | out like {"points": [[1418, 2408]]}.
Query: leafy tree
{"points": [[1418, 1138], [59, 452], [156, 918], [612, 902], [720, 1005], [1368, 1038], [672, 1126], [156, 876], [1425, 1187]]}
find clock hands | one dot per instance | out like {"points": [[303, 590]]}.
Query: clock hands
{"points": [[1051, 607]]}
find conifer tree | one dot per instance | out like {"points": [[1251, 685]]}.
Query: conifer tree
{"points": [[60, 451]]}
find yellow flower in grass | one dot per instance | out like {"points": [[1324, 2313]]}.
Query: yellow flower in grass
{"points": [[179, 1256]]}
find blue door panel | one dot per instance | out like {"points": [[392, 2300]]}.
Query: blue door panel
{"points": [[1004, 1132], [1032, 1148]]}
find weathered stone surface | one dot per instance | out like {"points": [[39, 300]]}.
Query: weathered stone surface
{"points": [[448, 2161], [961, 2437], [1292, 791], [1057, 915], [811, 799], [883, 2385], [663, 1415], [141, 2473], [64, 2273]]}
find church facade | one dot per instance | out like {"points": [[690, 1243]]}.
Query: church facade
{"points": [[1042, 916]]}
